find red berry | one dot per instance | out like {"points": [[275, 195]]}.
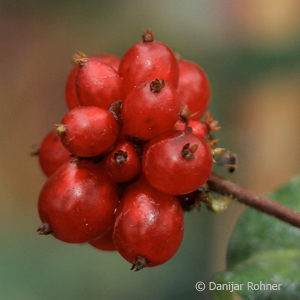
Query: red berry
{"points": [[148, 227], [193, 88], [150, 109], [97, 83], [52, 154], [111, 60], [71, 90], [105, 242], [180, 125], [88, 131], [77, 203], [123, 163], [198, 128], [148, 60], [177, 163]]}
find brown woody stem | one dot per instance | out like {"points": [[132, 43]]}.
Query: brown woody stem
{"points": [[223, 186]]}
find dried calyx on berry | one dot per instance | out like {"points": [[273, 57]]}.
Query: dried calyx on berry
{"points": [[148, 36], [185, 113], [80, 58], [115, 109], [157, 85], [120, 157], [211, 123], [60, 129], [188, 151], [139, 264], [44, 229]]}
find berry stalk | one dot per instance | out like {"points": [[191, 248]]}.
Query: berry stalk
{"points": [[223, 186]]}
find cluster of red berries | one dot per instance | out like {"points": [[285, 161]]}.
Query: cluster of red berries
{"points": [[130, 144]]}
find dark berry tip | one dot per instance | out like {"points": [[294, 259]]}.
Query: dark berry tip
{"points": [[80, 58], [60, 129], [120, 157], [44, 229], [148, 36], [189, 129], [139, 264], [188, 151], [157, 85], [115, 109]]}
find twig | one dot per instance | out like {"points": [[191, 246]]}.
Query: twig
{"points": [[222, 186]]}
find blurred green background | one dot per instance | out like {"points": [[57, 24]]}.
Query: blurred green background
{"points": [[251, 52]]}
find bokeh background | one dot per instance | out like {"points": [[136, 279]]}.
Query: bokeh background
{"points": [[251, 52]]}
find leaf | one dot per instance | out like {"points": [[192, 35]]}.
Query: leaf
{"points": [[264, 249]]}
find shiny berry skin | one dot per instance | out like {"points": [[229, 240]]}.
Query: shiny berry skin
{"points": [[110, 60], [148, 225], [177, 162], [88, 131], [180, 125], [78, 202], [198, 128], [148, 60], [71, 95], [150, 109], [70, 89], [123, 163], [98, 84], [52, 153], [193, 88], [105, 242]]}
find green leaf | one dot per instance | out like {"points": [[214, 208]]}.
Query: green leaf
{"points": [[264, 249]]}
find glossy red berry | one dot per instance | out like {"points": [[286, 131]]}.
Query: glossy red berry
{"points": [[52, 153], [111, 60], [180, 125], [88, 131], [198, 128], [193, 88], [71, 91], [148, 60], [150, 109], [177, 162], [123, 163], [77, 203], [148, 227], [93, 81], [105, 242], [98, 84]]}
